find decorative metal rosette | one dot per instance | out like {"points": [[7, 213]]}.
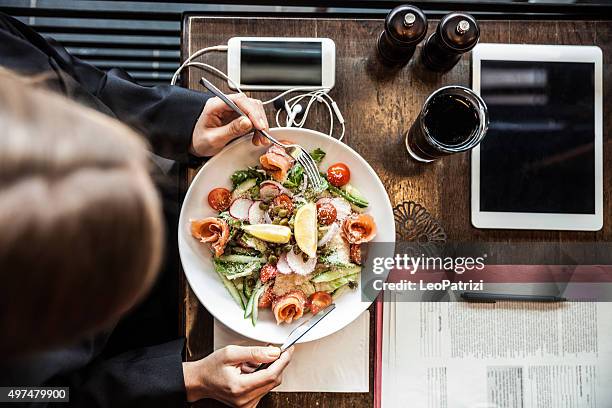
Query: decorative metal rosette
{"points": [[414, 224]]}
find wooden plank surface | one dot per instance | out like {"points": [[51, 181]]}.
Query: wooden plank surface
{"points": [[379, 104]]}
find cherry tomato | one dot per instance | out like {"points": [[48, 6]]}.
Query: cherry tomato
{"points": [[220, 198], [283, 201], [267, 272], [338, 174], [319, 301], [326, 213]]}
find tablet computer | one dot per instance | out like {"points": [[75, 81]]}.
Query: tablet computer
{"points": [[540, 166]]}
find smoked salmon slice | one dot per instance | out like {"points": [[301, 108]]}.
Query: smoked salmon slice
{"points": [[289, 307], [359, 228], [212, 230], [265, 301], [277, 162]]}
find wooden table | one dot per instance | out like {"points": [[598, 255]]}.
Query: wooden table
{"points": [[379, 105]]}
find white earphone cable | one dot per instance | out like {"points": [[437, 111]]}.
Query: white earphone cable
{"points": [[195, 55], [314, 95]]}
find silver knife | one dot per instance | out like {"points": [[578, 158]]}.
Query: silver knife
{"points": [[300, 331]]}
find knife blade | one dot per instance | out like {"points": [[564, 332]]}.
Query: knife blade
{"points": [[300, 331]]}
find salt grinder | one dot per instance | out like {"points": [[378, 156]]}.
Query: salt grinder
{"points": [[405, 27]]}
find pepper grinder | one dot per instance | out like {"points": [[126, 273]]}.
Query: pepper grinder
{"points": [[405, 27], [456, 34]]}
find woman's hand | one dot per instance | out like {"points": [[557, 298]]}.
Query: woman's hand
{"points": [[227, 375], [219, 124]]}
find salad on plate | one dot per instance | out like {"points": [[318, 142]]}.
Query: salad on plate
{"points": [[279, 244]]}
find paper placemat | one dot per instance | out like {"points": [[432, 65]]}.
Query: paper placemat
{"points": [[336, 363]]}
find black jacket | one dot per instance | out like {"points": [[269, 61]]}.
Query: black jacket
{"points": [[165, 114], [148, 376]]}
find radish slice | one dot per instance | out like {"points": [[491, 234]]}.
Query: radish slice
{"points": [[297, 264], [333, 230], [343, 208], [282, 266], [267, 218], [256, 214], [240, 208], [281, 188]]}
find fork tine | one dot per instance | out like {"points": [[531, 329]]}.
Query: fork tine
{"points": [[312, 171], [307, 168], [316, 178], [310, 167], [307, 161]]}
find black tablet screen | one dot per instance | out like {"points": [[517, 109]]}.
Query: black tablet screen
{"points": [[538, 155]]}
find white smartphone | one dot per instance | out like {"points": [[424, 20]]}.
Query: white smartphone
{"points": [[280, 63]]}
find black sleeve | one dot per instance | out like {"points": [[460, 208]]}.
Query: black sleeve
{"points": [[149, 377], [165, 114], [146, 377]]}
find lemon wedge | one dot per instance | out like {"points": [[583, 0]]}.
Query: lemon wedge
{"points": [[305, 229], [278, 234]]}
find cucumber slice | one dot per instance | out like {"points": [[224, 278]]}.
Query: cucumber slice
{"points": [[249, 285], [231, 289], [239, 284], [353, 192], [241, 258], [336, 273], [247, 272], [249, 306], [341, 291], [243, 188], [358, 201], [257, 294], [335, 284], [238, 250]]}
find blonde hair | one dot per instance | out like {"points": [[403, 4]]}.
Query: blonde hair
{"points": [[80, 220]]}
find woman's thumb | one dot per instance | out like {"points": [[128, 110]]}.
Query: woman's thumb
{"points": [[239, 126], [232, 130], [254, 354]]}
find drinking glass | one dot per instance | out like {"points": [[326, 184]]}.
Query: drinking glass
{"points": [[453, 119]]}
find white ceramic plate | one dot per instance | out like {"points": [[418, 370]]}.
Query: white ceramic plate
{"points": [[197, 259]]}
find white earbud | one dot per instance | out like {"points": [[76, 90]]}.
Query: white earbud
{"points": [[292, 113]]}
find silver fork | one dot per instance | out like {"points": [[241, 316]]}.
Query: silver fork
{"points": [[297, 152]]}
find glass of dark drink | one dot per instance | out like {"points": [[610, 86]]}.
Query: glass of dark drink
{"points": [[453, 119]]}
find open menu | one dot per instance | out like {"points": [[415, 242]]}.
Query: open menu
{"points": [[496, 355]]}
